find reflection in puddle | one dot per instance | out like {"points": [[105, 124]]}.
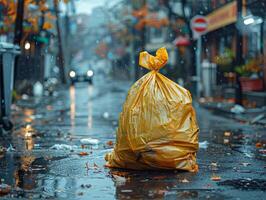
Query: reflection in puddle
{"points": [[72, 105], [236, 140], [246, 184], [90, 92], [28, 115]]}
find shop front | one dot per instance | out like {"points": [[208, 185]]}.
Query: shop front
{"points": [[230, 32]]}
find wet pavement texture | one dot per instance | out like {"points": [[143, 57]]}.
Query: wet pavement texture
{"points": [[50, 162]]}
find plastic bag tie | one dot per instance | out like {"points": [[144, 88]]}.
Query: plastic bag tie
{"points": [[153, 62]]}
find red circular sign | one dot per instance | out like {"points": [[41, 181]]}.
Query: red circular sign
{"points": [[199, 24]]}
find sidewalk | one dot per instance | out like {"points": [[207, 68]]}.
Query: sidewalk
{"points": [[248, 115]]}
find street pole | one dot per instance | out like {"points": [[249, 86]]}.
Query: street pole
{"points": [[18, 34], [239, 54], [19, 22], [60, 47], [198, 65]]}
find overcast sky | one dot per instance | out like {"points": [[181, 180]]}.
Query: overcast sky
{"points": [[86, 6]]}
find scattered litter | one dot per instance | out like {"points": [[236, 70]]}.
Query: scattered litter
{"points": [[85, 185], [4, 189], [262, 151], [89, 141], [226, 141], [248, 155], [257, 118], [63, 147], [28, 134], [2, 151], [10, 148], [246, 164], [246, 184], [95, 166], [184, 180], [215, 178], [214, 164], [38, 116], [126, 191], [25, 97], [106, 115], [119, 180], [37, 89], [237, 109], [204, 144], [80, 193]]}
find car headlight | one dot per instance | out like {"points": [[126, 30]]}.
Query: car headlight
{"points": [[72, 74], [89, 73]]}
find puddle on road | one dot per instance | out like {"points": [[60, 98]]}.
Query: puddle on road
{"points": [[245, 184], [240, 141]]}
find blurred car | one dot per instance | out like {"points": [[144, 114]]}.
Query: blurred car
{"points": [[81, 74]]}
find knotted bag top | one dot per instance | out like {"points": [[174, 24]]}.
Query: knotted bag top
{"points": [[153, 62]]}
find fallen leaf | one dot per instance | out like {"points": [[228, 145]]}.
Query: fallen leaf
{"points": [[258, 145], [110, 143], [83, 154], [227, 133], [215, 178]]}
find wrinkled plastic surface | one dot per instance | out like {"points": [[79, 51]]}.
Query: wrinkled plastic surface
{"points": [[157, 127]]}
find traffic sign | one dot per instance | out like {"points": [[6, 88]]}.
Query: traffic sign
{"points": [[199, 24]]}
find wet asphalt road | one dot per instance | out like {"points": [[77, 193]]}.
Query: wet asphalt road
{"points": [[35, 171]]}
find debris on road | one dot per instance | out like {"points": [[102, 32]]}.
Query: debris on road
{"points": [[237, 109], [184, 180], [110, 143], [4, 189], [89, 141], [10, 148], [246, 164], [246, 184], [2, 151], [203, 145], [63, 147], [83, 154], [258, 144], [215, 178], [227, 133], [85, 186], [257, 118]]}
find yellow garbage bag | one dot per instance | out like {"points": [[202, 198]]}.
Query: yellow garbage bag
{"points": [[157, 127]]}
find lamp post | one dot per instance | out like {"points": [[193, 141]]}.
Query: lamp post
{"points": [[239, 54], [60, 54]]}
